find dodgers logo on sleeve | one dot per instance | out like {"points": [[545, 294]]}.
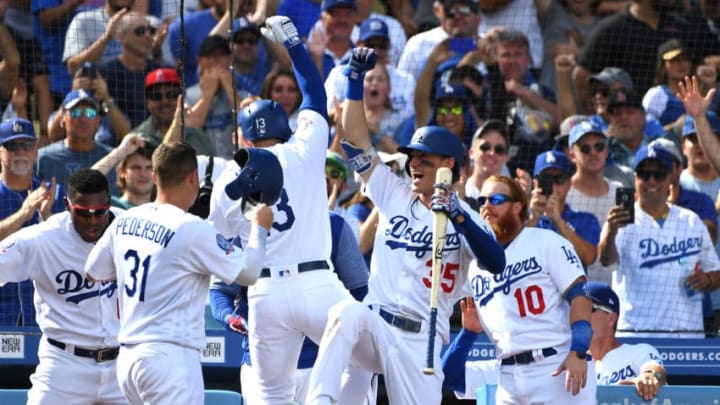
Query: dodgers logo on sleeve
{"points": [[228, 245]]}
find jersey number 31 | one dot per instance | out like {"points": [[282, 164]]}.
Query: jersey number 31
{"points": [[138, 266]]}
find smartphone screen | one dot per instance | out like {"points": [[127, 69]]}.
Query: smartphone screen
{"points": [[546, 185], [625, 197]]}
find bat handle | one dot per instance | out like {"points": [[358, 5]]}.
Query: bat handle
{"points": [[430, 357]]}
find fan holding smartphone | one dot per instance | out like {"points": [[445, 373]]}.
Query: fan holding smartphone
{"points": [[548, 208]]}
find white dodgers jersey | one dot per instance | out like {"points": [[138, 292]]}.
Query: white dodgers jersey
{"points": [[69, 308], [163, 258], [301, 229], [523, 308], [400, 271], [654, 261], [624, 363]]}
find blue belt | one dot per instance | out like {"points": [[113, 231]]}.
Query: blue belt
{"points": [[400, 322], [301, 267], [527, 357]]}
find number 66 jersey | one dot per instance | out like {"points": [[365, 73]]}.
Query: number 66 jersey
{"points": [[523, 307]]}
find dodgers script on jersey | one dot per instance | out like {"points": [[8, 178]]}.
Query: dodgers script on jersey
{"points": [[400, 272], [624, 363], [303, 202], [524, 303], [653, 264], [163, 258], [70, 308]]}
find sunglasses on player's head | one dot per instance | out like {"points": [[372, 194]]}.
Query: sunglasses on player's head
{"points": [[87, 212], [494, 199]]}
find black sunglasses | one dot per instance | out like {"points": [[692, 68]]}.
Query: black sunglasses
{"points": [[27, 146], [379, 44], [157, 95], [599, 147], [461, 10], [645, 175], [141, 30], [561, 178], [495, 199], [240, 40], [499, 149]]}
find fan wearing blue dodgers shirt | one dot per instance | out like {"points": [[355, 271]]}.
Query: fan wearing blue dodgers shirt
{"points": [[163, 257], [535, 312], [615, 362], [297, 285], [388, 333], [352, 271], [78, 318]]}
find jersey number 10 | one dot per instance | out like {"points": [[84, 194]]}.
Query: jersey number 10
{"points": [[532, 300], [132, 254]]}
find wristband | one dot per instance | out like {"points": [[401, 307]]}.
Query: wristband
{"points": [[581, 335], [356, 86], [360, 160]]}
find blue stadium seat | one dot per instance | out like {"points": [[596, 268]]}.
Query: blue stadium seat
{"points": [[13, 396], [218, 397]]}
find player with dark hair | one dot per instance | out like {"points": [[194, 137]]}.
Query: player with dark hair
{"points": [[388, 332], [163, 258], [78, 318], [297, 285]]}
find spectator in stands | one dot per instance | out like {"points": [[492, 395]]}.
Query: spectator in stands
{"points": [[80, 119], [609, 80], [673, 65], [552, 212], [450, 111], [699, 175], [162, 91], [458, 19], [630, 40], [9, 61], [212, 99], [562, 139], [113, 124], [91, 34], [125, 75], [615, 362], [199, 23], [627, 126], [375, 34], [664, 255], [695, 201], [489, 153], [250, 70], [24, 201], [383, 118], [330, 40], [280, 85], [303, 13], [565, 25], [52, 20]]}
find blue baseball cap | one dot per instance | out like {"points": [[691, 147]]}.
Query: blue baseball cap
{"points": [[689, 125], [449, 90], [77, 96], [654, 151], [602, 294], [551, 159], [330, 4], [583, 128], [242, 24], [373, 28], [16, 128]]}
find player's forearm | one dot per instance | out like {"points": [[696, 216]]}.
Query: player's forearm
{"points": [[255, 256], [14, 222], [221, 305], [490, 255], [454, 358], [309, 80]]}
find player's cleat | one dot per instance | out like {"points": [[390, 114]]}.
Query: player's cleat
{"points": [[281, 29]]}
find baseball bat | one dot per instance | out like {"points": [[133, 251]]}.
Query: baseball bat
{"points": [[443, 175]]}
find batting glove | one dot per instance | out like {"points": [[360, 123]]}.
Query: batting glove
{"points": [[238, 324], [280, 29], [446, 201], [361, 60]]}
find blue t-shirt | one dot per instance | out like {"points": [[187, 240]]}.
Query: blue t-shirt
{"points": [[56, 160], [197, 27], [584, 224], [303, 13]]}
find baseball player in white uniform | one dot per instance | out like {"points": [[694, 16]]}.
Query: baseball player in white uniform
{"points": [[78, 318], [297, 285], [664, 258], [387, 333], [535, 312], [615, 362], [163, 258]]}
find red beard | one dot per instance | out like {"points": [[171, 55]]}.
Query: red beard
{"points": [[506, 227]]}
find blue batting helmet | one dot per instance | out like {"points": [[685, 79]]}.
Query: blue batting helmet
{"points": [[264, 119], [260, 179], [438, 140]]}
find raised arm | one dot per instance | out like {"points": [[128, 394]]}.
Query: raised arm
{"points": [[696, 106]]}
